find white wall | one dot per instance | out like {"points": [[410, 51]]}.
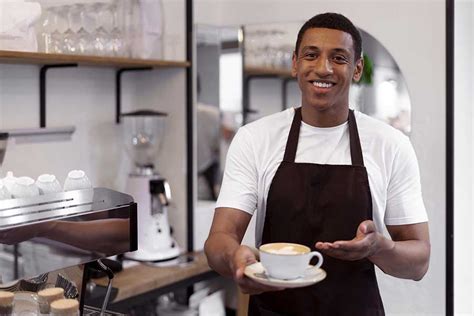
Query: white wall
{"points": [[463, 155], [85, 97], [414, 33]]}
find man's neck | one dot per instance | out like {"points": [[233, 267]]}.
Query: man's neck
{"points": [[327, 118]]}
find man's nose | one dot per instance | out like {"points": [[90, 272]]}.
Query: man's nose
{"points": [[323, 66]]}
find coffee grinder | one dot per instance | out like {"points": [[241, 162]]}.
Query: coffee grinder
{"points": [[143, 132]]}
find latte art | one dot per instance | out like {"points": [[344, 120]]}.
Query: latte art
{"points": [[287, 250]]}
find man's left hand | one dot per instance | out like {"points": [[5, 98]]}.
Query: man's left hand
{"points": [[365, 244]]}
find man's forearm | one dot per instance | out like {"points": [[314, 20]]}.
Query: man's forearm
{"points": [[219, 249], [402, 259]]}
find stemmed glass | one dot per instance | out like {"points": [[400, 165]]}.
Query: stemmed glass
{"points": [[69, 36], [116, 35], [100, 34], [56, 38], [84, 45], [47, 27]]}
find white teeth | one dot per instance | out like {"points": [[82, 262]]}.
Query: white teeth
{"points": [[322, 84]]}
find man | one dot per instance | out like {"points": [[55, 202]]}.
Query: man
{"points": [[327, 177]]}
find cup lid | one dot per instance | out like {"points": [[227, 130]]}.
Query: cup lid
{"points": [[46, 178], [76, 174], [26, 181]]}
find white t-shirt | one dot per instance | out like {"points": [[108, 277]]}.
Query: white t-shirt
{"points": [[258, 148]]}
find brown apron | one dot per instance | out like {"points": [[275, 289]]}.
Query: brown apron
{"points": [[308, 203]]}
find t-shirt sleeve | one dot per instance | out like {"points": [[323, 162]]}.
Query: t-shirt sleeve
{"points": [[239, 185], [404, 198]]}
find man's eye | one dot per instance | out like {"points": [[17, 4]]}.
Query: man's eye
{"points": [[310, 55], [340, 59]]}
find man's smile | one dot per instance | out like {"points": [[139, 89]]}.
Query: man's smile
{"points": [[322, 86]]}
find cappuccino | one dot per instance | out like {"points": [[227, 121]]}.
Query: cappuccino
{"points": [[286, 260]]}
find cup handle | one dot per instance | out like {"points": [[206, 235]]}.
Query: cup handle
{"points": [[313, 254]]}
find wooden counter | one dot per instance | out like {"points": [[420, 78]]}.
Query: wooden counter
{"points": [[143, 279]]}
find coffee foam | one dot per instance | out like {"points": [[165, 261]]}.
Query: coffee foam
{"points": [[287, 250]]}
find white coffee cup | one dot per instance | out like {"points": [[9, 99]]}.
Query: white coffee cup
{"points": [[24, 187], [4, 193], [47, 183], [77, 180], [9, 181], [287, 260]]}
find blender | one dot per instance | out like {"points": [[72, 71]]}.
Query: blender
{"points": [[143, 132]]}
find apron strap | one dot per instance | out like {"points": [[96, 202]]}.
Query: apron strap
{"points": [[292, 142], [356, 150]]}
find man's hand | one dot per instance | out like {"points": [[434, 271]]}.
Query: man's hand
{"points": [[243, 257], [366, 243]]}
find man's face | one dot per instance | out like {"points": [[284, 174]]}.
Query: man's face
{"points": [[325, 67]]}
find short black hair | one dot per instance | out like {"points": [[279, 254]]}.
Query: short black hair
{"points": [[333, 21]]}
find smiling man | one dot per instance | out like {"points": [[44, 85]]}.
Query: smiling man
{"points": [[327, 177]]}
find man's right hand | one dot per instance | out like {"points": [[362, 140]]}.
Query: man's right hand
{"points": [[243, 257]]}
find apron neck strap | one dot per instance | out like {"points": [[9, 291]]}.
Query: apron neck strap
{"points": [[292, 141], [356, 150], [293, 137]]}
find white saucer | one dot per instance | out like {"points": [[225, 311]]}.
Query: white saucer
{"points": [[312, 276]]}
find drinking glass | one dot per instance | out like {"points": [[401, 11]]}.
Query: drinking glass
{"points": [[117, 39], [100, 34], [84, 39], [56, 38], [47, 28], [69, 36]]}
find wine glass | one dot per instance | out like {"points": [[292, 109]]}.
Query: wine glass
{"points": [[47, 28], [69, 36], [117, 38], [100, 34], [84, 39]]}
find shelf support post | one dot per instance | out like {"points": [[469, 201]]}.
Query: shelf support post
{"points": [[118, 89], [42, 91]]}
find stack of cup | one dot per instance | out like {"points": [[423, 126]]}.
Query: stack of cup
{"points": [[6, 303], [65, 307], [48, 296]]}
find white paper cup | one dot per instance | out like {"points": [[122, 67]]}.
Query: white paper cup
{"points": [[47, 183], [77, 180], [286, 260], [24, 187]]}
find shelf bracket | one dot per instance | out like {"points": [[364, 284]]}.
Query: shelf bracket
{"points": [[118, 89], [42, 91]]}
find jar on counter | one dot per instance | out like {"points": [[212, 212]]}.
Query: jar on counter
{"points": [[65, 307], [6, 303], [47, 296]]}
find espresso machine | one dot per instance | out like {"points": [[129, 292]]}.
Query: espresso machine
{"points": [[143, 132]]}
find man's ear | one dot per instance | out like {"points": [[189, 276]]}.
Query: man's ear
{"points": [[359, 67], [293, 65]]}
